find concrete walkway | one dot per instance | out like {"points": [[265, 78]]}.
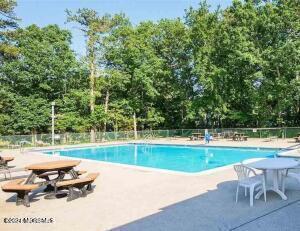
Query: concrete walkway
{"points": [[134, 199]]}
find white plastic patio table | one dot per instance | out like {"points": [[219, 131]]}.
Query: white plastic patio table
{"points": [[273, 165]]}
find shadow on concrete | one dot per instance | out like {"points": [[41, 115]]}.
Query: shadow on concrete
{"points": [[215, 210]]}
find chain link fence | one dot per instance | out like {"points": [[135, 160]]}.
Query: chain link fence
{"points": [[39, 140]]}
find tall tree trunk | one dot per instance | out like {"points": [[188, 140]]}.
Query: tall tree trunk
{"points": [[91, 55], [134, 126], [181, 114], [105, 110], [116, 126]]}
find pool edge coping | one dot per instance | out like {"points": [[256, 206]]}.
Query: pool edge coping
{"points": [[148, 143], [147, 169], [140, 168]]}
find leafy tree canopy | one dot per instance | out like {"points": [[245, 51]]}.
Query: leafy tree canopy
{"points": [[236, 67]]}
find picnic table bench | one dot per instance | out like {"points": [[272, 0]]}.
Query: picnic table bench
{"points": [[79, 184], [22, 190]]}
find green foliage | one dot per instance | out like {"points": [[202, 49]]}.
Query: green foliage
{"points": [[70, 121], [45, 70], [237, 67], [46, 64], [30, 114], [8, 21], [73, 110], [246, 58]]}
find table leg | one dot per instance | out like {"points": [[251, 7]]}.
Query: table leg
{"points": [[61, 174], [73, 174], [30, 179], [260, 188], [54, 194], [49, 187], [275, 187]]}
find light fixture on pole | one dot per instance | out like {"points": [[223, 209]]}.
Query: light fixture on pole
{"points": [[53, 117]]}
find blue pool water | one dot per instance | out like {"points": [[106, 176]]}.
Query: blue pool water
{"points": [[171, 157]]}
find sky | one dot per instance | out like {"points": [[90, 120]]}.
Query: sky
{"points": [[44, 12]]}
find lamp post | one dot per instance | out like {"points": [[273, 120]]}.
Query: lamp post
{"points": [[53, 117]]}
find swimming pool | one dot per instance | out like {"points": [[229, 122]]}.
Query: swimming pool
{"points": [[190, 159]]}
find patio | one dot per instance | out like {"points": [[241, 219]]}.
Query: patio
{"points": [[135, 199]]}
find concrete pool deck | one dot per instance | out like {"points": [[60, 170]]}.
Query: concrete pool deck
{"points": [[139, 199]]}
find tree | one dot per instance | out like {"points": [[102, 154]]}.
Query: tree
{"points": [[73, 111], [30, 114], [94, 28], [236, 67], [45, 69], [7, 100], [236, 53], [8, 22], [46, 63], [112, 87], [174, 80], [278, 41]]}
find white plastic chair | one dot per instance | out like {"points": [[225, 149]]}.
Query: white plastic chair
{"points": [[247, 181], [249, 161]]}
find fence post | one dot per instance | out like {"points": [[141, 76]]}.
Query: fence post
{"points": [[259, 133]]}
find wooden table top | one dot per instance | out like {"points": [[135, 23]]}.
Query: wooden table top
{"points": [[54, 165], [7, 158]]}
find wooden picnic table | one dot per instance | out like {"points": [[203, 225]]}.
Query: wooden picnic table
{"points": [[216, 135], [7, 158], [4, 161], [297, 138], [53, 165], [59, 168], [198, 135], [238, 136]]}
